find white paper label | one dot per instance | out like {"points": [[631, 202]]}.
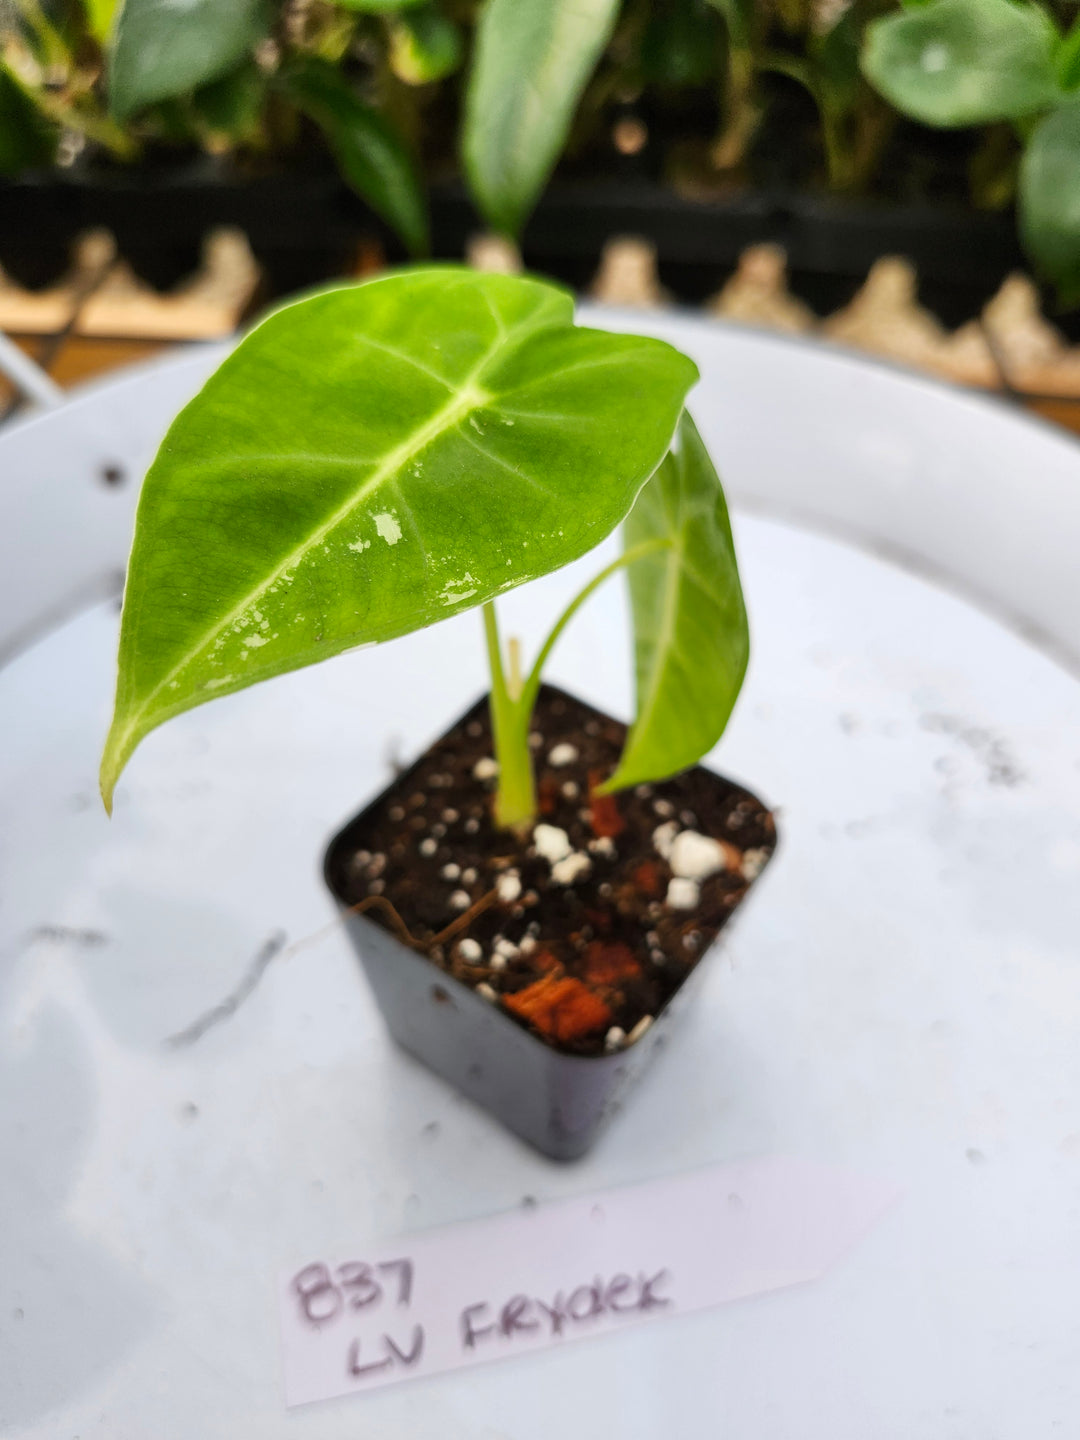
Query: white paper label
{"points": [[565, 1271]]}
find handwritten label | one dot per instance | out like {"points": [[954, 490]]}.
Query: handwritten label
{"points": [[550, 1274]]}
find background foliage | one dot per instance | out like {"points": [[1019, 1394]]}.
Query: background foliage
{"points": [[707, 95]]}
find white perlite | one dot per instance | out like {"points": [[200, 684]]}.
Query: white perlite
{"points": [[663, 837], [552, 843], [505, 948], [615, 1038], [564, 754], [603, 845], [428, 847], [639, 1029], [470, 951], [486, 992], [451, 871], [682, 894], [508, 887], [753, 862], [460, 900], [485, 769], [694, 856], [574, 867]]}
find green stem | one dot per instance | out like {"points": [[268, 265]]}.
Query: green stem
{"points": [[511, 713], [515, 799]]}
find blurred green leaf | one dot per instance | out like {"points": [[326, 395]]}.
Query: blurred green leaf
{"points": [[964, 62], [424, 46], [372, 460], [739, 18], [679, 46], [379, 7], [691, 641], [533, 59], [163, 48], [99, 17], [1067, 59], [1049, 200], [370, 154], [26, 137], [232, 106]]}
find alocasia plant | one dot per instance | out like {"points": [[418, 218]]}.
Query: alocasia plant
{"points": [[375, 458]]}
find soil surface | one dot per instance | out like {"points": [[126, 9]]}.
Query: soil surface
{"points": [[578, 931]]}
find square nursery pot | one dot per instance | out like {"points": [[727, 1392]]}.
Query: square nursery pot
{"points": [[540, 982]]}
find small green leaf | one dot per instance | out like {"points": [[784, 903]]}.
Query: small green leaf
{"points": [[424, 46], [691, 642], [369, 461], [964, 62], [26, 137], [1049, 198], [370, 154], [532, 61], [163, 48]]}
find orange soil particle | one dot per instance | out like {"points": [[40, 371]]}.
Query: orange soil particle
{"points": [[560, 1008], [604, 814], [608, 962], [648, 878], [547, 797]]}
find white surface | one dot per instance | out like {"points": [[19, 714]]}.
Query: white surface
{"points": [[902, 995]]}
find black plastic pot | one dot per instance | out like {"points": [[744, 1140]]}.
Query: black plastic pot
{"points": [[304, 227], [556, 1101]]}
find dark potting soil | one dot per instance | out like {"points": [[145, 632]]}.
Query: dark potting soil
{"points": [[585, 950]]}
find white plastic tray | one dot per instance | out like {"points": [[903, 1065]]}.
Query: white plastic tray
{"points": [[902, 997]]}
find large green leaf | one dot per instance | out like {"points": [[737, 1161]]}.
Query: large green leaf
{"points": [[163, 48], [369, 153], [371, 460], [1050, 199], [964, 62], [691, 641], [533, 58]]}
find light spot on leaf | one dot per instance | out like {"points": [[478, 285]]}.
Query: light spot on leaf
{"points": [[388, 527], [359, 546], [935, 58], [254, 640]]}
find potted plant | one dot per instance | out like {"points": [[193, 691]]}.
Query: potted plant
{"points": [[531, 895]]}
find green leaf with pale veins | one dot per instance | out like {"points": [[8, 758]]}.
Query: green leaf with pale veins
{"points": [[531, 64], [369, 461], [691, 641], [163, 48], [964, 62]]}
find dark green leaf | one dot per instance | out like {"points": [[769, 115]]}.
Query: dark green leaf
{"points": [[369, 461], [424, 46], [531, 65], [232, 105], [371, 155], [964, 62], [26, 137], [691, 642], [1067, 59], [1050, 199], [163, 48]]}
